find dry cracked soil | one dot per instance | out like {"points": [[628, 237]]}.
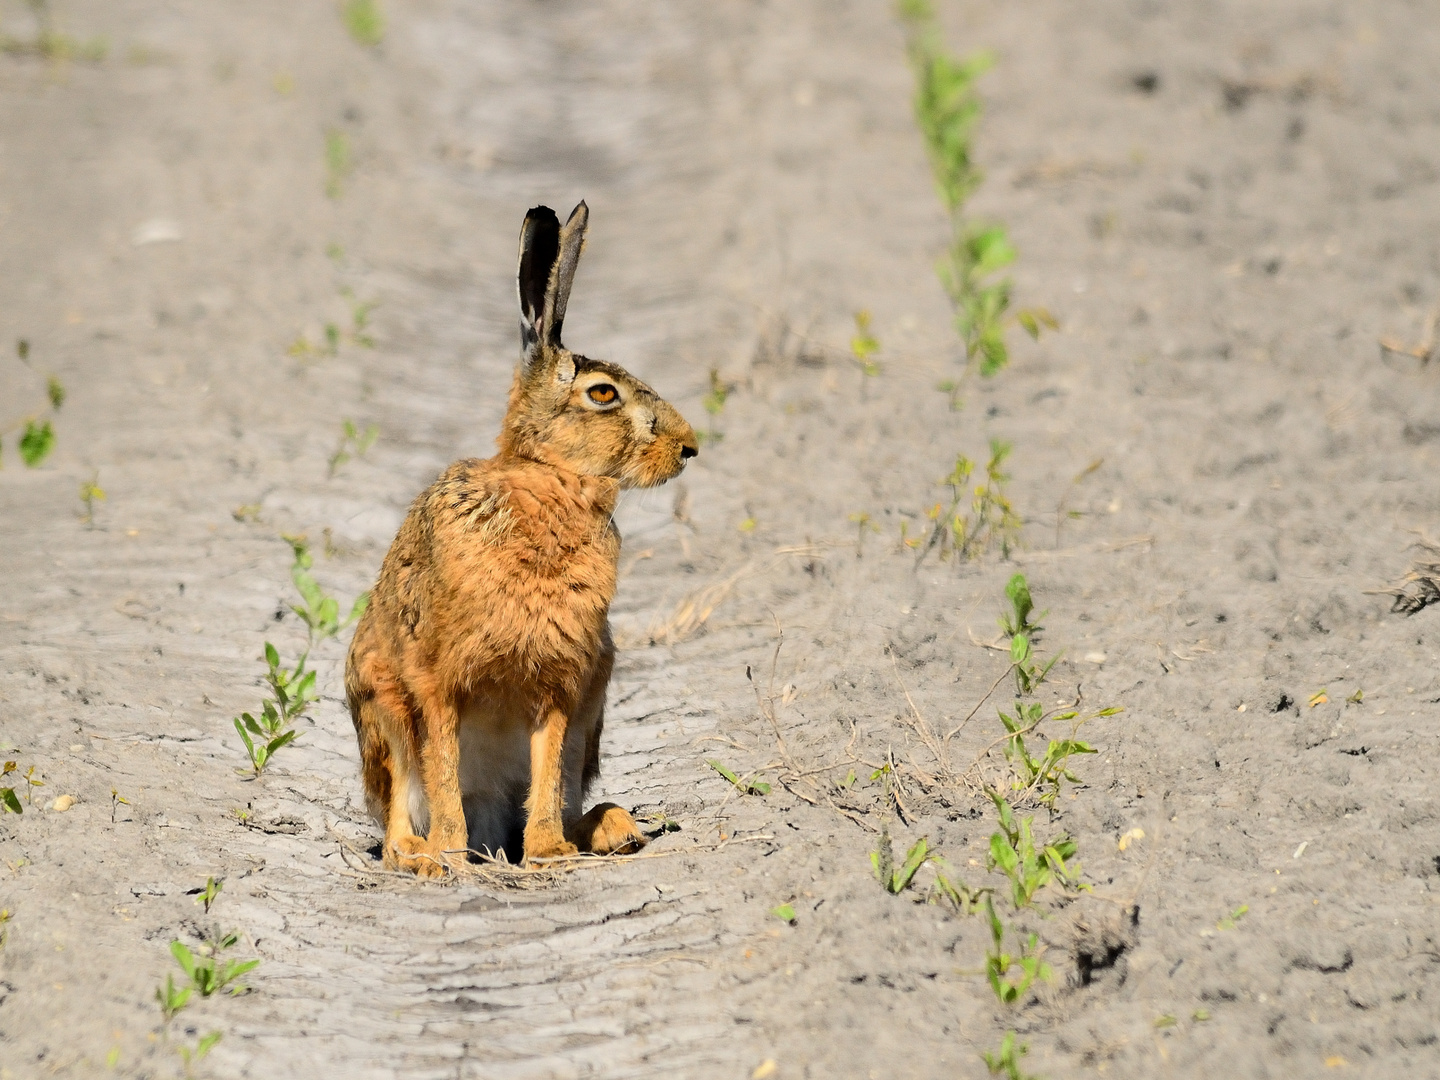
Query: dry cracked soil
{"points": [[238, 227]]}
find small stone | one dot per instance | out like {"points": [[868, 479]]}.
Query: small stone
{"points": [[63, 803]]}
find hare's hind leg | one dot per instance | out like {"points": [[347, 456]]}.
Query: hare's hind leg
{"points": [[392, 783]]}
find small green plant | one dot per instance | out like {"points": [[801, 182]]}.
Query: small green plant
{"points": [[337, 168], [36, 442], [5, 918], [864, 345], [192, 1057], [1030, 869], [37, 432], [892, 878], [947, 110], [1229, 922], [998, 963], [9, 801], [365, 22], [208, 894], [171, 999], [785, 913], [1006, 1061], [207, 971], [116, 801], [353, 443], [31, 784], [990, 520], [292, 689], [90, 493], [320, 613], [714, 402], [863, 523], [53, 45], [744, 785]]}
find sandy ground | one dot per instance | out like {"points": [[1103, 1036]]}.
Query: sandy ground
{"points": [[1223, 243]]}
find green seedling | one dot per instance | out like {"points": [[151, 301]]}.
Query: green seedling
{"points": [[1006, 1061], [1200, 1015], [1320, 697], [990, 520], [55, 392], [208, 894], [785, 913], [998, 963], [1044, 774], [337, 165], [1230, 921], [90, 493], [36, 442], [320, 612], [193, 1057], [171, 1000], [1357, 698], [863, 523], [8, 799], [360, 316], [353, 443], [1030, 869], [116, 801], [205, 969], [1168, 1020], [32, 783], [864, 345], [849, 780], [896, 879], [947, 109], [745, 785], [365, 22], [965, 899], [292, 690], [714, 402], [5, 918]]}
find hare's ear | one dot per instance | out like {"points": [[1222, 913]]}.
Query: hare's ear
{"points": [[539, 245], [557, 294]]}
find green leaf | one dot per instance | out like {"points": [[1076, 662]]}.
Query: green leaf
{"points": [[206, 1043], [723, 771], [56, 392], [785, 913], [914, 859], [10, 801], [357, 609], [183, 957], [37, 442]]}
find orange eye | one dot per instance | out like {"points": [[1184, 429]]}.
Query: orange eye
{"points": [[603, 393]]}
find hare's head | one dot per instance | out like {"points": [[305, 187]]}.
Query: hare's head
{"points": [[568, 410]]}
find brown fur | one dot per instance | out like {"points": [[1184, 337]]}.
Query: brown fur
{"points": [[488, 628]]}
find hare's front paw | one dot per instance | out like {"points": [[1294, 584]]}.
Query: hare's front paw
{"points": [[547, 843], [418, 856], [608, 830]]}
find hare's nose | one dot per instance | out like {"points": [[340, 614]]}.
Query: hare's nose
{"points": [[687, 451]]}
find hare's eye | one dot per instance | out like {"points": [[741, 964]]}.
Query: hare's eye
{"points": [[603, 394]]}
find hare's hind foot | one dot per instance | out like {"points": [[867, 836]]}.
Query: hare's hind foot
{"points": [[416, 855], [607, 830]]}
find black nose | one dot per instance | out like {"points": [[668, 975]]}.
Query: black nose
{"points": [[687, 452]]}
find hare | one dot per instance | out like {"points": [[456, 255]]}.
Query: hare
{"points": [[477, 676]]}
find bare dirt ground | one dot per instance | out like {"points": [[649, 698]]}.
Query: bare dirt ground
{"points": [[1225, 204]]}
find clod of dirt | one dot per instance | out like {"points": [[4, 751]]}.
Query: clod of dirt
{"points": [[1100, 947], [1147, 82]]}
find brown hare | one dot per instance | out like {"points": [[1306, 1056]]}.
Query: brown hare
{"points": [[477, 675]]}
